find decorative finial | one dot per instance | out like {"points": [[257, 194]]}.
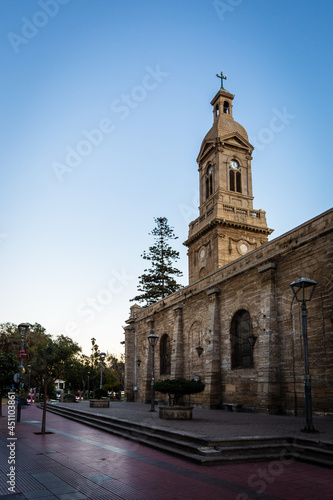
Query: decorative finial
{"points": [[221, 75]]}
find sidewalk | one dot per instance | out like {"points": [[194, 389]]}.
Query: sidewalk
{"points": [[217, 423], [77, 461]]}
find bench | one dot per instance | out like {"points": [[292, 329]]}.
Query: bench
{"points": [[233, 406]]}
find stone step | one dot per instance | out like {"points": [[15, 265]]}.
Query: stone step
{"points": [[204, 450]]}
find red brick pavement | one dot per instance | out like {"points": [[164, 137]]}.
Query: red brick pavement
{"points": [[77, 461]]}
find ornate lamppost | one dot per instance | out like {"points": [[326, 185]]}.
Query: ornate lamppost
{"points": [[152, 339], [102, 358], [23, 330], [29, 388], [303, 290]]}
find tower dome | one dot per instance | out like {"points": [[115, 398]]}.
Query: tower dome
{"points": [[224, 125]]}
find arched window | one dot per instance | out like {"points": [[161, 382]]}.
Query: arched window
{"points": [[238, 182], [226, 108], [165, 355], [235, 181], [202, 272], [209, 181], [242, 340], [232, 180], [217, 110]]}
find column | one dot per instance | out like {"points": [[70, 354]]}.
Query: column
{"points": [[212, 352], [268, 360], [147, 385], [177, 344]]}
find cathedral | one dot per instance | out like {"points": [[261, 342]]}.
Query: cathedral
{"points": [[237, 326]]}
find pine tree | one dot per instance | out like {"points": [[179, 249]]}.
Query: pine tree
{"points": [[159, 281]]}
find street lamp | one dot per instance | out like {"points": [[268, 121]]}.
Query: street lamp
{"points": [[29, 366], [303, 290], [88, 384], [152, 339], [101, 357], [23, 330]]}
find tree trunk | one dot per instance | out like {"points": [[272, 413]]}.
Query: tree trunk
{"points": [[44, 408]]}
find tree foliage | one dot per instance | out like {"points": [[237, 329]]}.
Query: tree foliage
{"points": [[10, 339], [114, 372], [178, 387], [10, 344], [8, 368], [159, 280], [50, 360], [76, 373]]}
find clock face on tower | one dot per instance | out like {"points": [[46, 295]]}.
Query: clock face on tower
{"points": [[242, 247], [234, 164], [202, 253]]}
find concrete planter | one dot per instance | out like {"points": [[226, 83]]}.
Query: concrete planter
{"points": [[175, 412], [99, 403]]}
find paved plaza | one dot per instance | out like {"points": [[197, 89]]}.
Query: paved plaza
{"points": [[75, 461]]}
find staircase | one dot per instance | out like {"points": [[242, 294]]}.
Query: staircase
{"points": [[205, 450]]}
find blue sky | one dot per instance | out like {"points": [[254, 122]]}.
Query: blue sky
{"points": [[104, 108]]}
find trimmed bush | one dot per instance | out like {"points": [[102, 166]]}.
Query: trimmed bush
{"points": [[100, 393], [68, 398]]}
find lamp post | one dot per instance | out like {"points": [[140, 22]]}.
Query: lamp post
{"points": [[303, 290], [88, 384], [152, 339], [101, 357], [29, 366], [23, 330]]}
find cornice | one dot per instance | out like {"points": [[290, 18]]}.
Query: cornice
{"points": [[226, 223]]}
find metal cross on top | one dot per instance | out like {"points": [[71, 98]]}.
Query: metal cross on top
{"points": [[221, 75]]}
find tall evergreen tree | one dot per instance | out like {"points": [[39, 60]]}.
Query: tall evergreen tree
{"points": [[159, 281]]}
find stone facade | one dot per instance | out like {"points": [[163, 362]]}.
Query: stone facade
{"points": [[239, 307]]}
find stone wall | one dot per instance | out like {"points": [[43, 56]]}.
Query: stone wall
{"points": [[259, 282]]}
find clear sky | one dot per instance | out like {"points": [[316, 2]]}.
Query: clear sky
{"points": [[104, 107]]}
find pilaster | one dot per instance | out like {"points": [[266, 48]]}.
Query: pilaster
{"points": [[213, 350], [130, 361], [177, 354], [268, 360], [150, 329]]}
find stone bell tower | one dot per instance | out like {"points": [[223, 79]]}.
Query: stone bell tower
{"points": [[228, 226]]}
